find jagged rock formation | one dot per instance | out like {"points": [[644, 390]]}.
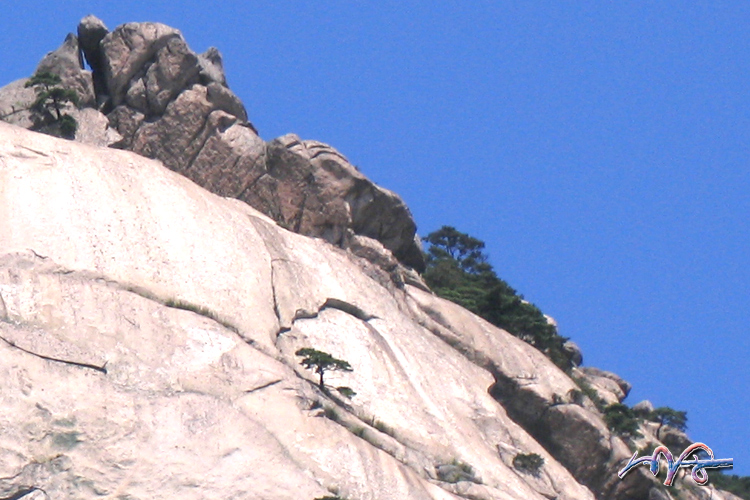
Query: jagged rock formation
{"points": [[164, 101], [148, 327]]}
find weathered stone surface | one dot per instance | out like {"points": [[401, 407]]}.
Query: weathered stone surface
{"points": [[574, 352], [212, 67], [91, 31], [643, 408], [170, 104], [66, 63], [121, 390], [127, 50], [173, 68], [319, 193], [94, 128], [15, 100], [674, 439], [611, 387]]}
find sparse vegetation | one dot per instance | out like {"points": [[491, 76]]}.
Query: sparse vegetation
{"points": [[528, 462], [322, 362], [382, 427], [737, 485], [330, 413], [357, 430], [51, 99], [203, 311], [456, 471], [589, 392], [621, 420], [347, 392], [457, 270]]}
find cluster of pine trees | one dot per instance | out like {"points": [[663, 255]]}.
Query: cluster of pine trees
{"points": [[457, 270]]}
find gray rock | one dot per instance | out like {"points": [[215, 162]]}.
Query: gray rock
{"points": [[174, 68], [657, 494], [674, 439], [643, 408], [91, 31], [94, 128], [574, 352], [596, 373], [373, 211], [167, 103], [126, 52], [212, 67], [150, 339], [66, 63], [225, 100], [15, 101]]}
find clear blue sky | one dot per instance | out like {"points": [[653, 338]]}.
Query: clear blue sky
{"points": [[601, 149]]}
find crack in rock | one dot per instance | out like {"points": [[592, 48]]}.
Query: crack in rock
{"points": [[260, 387], [23, 492], [102, 369], [348, 308]]}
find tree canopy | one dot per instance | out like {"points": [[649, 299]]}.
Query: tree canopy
{"points": [[322, 362], [458, 270], [51, 99], [669, 416]]}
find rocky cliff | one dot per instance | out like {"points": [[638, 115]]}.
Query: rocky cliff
{"points": [[152, 302]]}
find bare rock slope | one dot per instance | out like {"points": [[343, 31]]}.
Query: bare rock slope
{"points": [[115, 385]]}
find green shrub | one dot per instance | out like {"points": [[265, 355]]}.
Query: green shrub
{"points": [[665, 415], [347, 392], [738, 485], [621, 420], [528, 462], [456, 471]]}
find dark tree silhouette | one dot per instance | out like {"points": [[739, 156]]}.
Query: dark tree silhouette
{"points": [[322, 362], [50, 101], [669, 416]]}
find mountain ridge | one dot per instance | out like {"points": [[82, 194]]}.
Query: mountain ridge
{"points": [[549, 406]]}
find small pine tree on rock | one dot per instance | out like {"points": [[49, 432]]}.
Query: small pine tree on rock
{"points": [[51, 99], [665, 415], [322, 362]]}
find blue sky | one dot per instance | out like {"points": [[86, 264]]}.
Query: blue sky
{"points": [[600, 149]]}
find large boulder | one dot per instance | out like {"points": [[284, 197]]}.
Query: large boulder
{"points": [[91, 31], [611, 387]]}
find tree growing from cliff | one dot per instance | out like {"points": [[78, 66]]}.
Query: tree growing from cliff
{"points": [[621, 420], [457, 270], [51, 99], [665, 415], [322, 362]]}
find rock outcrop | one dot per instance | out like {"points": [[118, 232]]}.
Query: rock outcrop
{"points": [[149, 317], [163, 101]]}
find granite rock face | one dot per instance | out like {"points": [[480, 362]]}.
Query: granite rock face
{"points": [[148, 330], [165, 102]]}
